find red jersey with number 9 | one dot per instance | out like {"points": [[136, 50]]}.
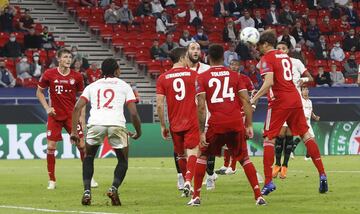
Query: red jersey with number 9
{"points": [[283, 93], [221, 86], [178, 86]]}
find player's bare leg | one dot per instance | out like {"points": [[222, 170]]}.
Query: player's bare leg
{"points": [[268, 162], [279, 147], [50, 158], [289, 144], [190, 169], [88, 172], [314, 153], [200, 170]]}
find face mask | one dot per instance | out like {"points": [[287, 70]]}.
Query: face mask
{"points": [[74, 53], [186, 35], [326, 20], [36, 58], [352, 36], [322, 41], [12, 39], [297, 49], [337, 45], [200, 34], [126, 6], [287, 10], [156, 1], [272, 9], [351, 7], [24, 60]]}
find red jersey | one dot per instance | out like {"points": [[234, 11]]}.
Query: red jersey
{"points": [[62, 90], [178, 86], [92, 75], [249, 87], [221, 86], [283, 93]]}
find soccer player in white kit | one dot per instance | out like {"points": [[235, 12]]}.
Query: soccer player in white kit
{"points": [[298, 70], [107, 97]]}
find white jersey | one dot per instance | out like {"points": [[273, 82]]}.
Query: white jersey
{"points": [[307, 106], [107, 97], [201, 68], [298, 69]]}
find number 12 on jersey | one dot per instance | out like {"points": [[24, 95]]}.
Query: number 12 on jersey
{"points": [[226, 91], [105, 96]]}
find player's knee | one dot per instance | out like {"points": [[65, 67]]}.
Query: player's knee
{"points": [[193, 151], [244, 161], [306, 136]]}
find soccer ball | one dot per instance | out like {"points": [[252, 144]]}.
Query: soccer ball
{"points": [[250, 35]]}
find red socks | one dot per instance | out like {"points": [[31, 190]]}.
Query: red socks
{"points": [[190, 166], [250, 172], [226, 158], [50, 158], [182, 164], [200, 169], [313, 151], [268, 160]]}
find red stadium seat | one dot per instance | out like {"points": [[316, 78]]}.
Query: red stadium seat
{"points": [[118, 40], [106, 31], [10, 64], [323, 13], [83, 13], [98, 12], [19, 37], [320, 63], [72, 5], [95, 23], [142, 57], [154, 67], [4, 38]]}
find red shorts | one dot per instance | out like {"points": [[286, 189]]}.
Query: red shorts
{"points": [[234, 140], [54, 128], [185, 140], [276, 118]]}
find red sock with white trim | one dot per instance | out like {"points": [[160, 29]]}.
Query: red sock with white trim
{"points": [[191, 162], [250, 173], [200, 170], [313, 151], [268, 160], [50, 158]]}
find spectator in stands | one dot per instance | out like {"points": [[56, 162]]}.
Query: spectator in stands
{"points": [[77, 56], [286, 37], [125, 15], [243, 51], [77, 66], [170, 3], [312, 4], [325, 27], [26, 22], [111, 15], [155, 51], [93, 73], [299, 6], [168, 45], [193, 16], [144, 9], [352, 15], [23, 68], [105, 3], [272, 17], [164, 24], [337, 53], [254, 75], [202, 39], [185, 39], [305, 16], [337, 78], [335, 12], [351, 68], [230, 33], [260, 23], [351, 42], [312, 32], [32, 40], [235, 8], [47, 39], [245, 20], [320, 48], [36, 68], [12, 48], [298, 54], [325, 4], [323, 78], [298, 33], [6, 19], [89, 3], [344, 25], [287, 17], [156, 8], [221, 9], [230, 54], [7, 80]]}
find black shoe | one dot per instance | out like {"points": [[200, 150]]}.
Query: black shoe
{"points": [[114, 196], [86, 199]]}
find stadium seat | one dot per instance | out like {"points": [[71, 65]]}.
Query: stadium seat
{"points": [[106, 31], [95, 23], [4, 38], [154, 67], [19, 37], [142, 57], [10, 64], [319, 63], [83, 14], [98, 12]]}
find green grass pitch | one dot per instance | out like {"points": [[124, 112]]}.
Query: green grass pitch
{"points": [[150, 187]]}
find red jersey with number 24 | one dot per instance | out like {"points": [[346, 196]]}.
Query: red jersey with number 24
{"points": [[221, 86], [178, 86], [62, 90], [283, 93]]}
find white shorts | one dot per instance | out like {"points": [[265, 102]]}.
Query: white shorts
{"points": [[117, 136], [311, 131]]}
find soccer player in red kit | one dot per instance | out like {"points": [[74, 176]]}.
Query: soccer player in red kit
{"points": [[222, 89], [284, 105], [178, 87], [64, 85]]}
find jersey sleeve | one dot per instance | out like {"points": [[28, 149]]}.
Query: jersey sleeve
{"points": [[159, 86], [265, 66], [44, 80], [199, 84], [241, 84], [80, 83], [301, 67], [130, 96], [86, 94]]}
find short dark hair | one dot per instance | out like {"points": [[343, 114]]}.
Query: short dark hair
{"points": [[62, 51], [216, 52], [268, 36], [283, 43], [177, 53], [108, 67]]}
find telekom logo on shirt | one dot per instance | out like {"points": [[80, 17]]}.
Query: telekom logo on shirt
{"points": [[59, 89]]}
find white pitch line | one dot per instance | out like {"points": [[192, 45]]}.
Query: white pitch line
{"points": [[51, 211]]}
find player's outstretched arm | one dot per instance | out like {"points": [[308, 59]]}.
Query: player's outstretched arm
{"points": [[74, 136], [135, 119], [245, 99], [160, 111], [268, 82], [41, 97]]}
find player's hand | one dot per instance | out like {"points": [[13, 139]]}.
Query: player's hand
{"points": [[50, 111], [317, 118], [134, 135], [74, 138], [250, 132], [203, 142], [165, 133]]}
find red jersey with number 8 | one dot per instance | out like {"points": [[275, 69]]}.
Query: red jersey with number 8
{"points": [[283, 93], [178, 86], [221, 86]]}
